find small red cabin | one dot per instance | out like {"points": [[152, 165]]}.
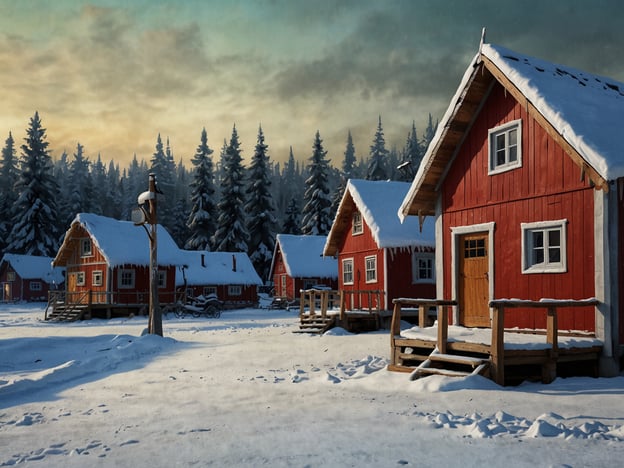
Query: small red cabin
{"points": [[107, 262], [28, 277], [229, 275], [525, 180], [298, 263], [375, 251]]}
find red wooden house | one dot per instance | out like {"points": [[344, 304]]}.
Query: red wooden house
{"points": [[375, 251], [107, 263], [28, 277], [298, 263], [229, 275], [525, 180]]}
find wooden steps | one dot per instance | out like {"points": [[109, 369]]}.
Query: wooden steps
{"points": [[72, 313], [315, 324], [451, 365]]}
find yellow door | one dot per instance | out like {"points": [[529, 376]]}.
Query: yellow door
{"points": [[473, 281]]}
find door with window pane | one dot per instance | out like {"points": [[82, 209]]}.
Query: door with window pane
{"points": [[473, 280]]}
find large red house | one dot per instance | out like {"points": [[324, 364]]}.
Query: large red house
{"points": [[298, 263], [375, 251], [107, 262], [525, 180], [28, 277]]}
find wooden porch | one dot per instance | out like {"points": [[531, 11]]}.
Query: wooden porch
{"points": [[322, 309], [68, 306], [508, 356]]}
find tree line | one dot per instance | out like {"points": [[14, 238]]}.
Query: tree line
{"points": [[217, 204]]}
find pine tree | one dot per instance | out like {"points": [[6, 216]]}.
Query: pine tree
{"points": [[163, 167], [412, 155], [378, 153], [202, 218], [9, 174], [96, 185], [231, 234], [79, 181], [316, 210], [34, 228], [291, 224], [259, 209], [429, 134], [348, 167]]}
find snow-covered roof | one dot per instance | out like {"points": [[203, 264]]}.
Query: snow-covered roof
{"points": [[378, 201], [585, 110], [124, 243], [34, 267], [216, 268], [303, 256]]}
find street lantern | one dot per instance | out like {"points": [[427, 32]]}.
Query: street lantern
{"points": [[141, 217]]}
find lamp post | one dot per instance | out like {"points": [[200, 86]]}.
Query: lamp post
{"points": [[141, 217]]}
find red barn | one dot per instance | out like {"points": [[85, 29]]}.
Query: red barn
{"points": [[525, 180], [28, 277], [298, 263], [229, 275], [375, 251], [107, 263]]}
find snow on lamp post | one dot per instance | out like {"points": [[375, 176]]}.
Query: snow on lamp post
{"points": [[141, 217]]}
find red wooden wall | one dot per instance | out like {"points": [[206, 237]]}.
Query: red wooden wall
{"points": [[546, 187], [294, 285]]}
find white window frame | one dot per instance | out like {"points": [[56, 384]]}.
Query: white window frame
{"points": [[347, 261], [417, 257], [162, 279], [370, 273], [80, 278], [208, 290], [35, 286], [235, 290], [357, 225], [130, 282], [528, 267], [86, 247], [96, 278], [11, 276], [493, 133]]}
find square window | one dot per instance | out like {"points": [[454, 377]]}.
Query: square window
{"points": [[357, 226], [85, 247], [504, 147], [96, 278], [11, 276], [126, 279], [347, 271], [235, 290], [209, 290], [543, 247], [35, 285], [371, 269], [423, 267]]}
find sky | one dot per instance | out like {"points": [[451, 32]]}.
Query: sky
{"points": [[114, 74]]}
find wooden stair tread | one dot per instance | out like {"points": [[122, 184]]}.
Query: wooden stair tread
{"points": [[434, 370], [457, 359]]}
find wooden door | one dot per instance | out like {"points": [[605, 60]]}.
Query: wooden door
{"points": [[473, 280], [8, 295]]}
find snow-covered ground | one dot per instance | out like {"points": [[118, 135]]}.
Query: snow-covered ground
{"points": [[243, 390]]}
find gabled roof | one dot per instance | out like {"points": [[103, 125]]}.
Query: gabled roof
{"points": [[34, 267], [121, 242], [303, 256], [378, 202], [216, 268], [584, 113]]}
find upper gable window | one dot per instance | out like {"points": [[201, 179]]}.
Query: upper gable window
{"points": [[85, 247], [505, 147], [357, 227]]}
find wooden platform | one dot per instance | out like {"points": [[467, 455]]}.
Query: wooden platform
{"points": [[501, 353]]}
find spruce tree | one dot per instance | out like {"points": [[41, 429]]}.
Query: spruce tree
{"points": [[9, 174], [429, 134], [412, 155], [291, 223], [202, 218], [163, 167], [259, 209], [34, 227], [79, 181], [348, 167], [378, 154], [317, 203], [231, 234]]}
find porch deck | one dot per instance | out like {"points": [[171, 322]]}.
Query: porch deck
{"points": [[510, 355]]}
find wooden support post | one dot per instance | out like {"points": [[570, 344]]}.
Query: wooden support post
{"points": [[549, 368], [343, 299], [395, 330], [312, 299], [498, 345], [324, 303], [301, 303], [422, 315], [442, 329]]}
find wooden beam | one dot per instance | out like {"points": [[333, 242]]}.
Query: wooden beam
{"points": [[498, 345]]}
